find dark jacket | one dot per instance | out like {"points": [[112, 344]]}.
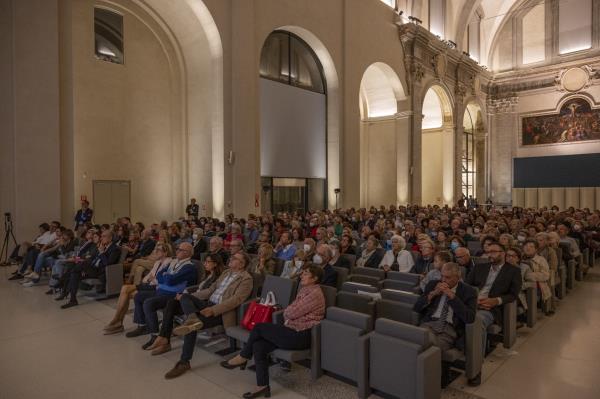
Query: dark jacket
{"points": [[329, 276], [343, 262], [145, 248], [109, 257], [375, 258], [464, 306], [422, 265], [506, 286], [199, 248]]}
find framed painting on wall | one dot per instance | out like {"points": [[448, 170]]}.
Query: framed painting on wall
{"points": [[577, 121]]}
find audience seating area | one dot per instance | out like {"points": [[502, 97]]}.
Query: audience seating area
{"points": [[371, 335]]}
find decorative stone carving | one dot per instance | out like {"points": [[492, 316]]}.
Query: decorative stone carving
{"points": [[418, 72], [476, 86], [574, 79], [440, 64], [502, 105], [461, 90]]}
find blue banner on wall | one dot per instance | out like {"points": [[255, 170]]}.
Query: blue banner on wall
{"points": [[559, 171]]}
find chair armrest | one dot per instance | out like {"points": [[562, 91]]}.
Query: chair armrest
{"points": [[242, 310], [362, 364], [315, 352], [192, 288], [429, 370], [509, 328], [278, 317], [531, 294], [473, 348]]}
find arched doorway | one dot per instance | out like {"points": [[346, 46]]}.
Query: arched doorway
{"points": [[473, 153], [437, 148], [293, 120], [384, 149]]}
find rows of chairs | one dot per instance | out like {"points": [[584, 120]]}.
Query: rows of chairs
{"points": [[370, 335]]}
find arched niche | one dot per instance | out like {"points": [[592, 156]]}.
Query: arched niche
{"points": [[437, 147], [473, 153], [333, 109], [188, 115], [193, 31], [384, 139]]}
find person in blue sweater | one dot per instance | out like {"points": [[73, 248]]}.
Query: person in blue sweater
{"points": [[172, 280]]}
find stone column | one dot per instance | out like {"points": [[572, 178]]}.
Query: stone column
{"points": [[403, 159], [415, 142], [503, 125]]}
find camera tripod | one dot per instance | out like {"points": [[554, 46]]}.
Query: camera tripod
{"points": [[8, 234]]}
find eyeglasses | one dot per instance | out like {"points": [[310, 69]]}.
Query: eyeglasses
{"points": [[181, 250]]}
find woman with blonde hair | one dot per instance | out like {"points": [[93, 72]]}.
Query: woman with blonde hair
{"points": [[264, 263]]}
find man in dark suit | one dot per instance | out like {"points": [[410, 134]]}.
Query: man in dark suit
{"points": [[322, 258], [108, 254], [498, 283], [446, 306]]}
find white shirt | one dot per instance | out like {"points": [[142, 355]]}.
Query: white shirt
{"points": [[404, 258], [490, 281], [438, 312], [46, 238], [217, 295]]}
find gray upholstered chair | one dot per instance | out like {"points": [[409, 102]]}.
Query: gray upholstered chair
{"points": [[399, 296], [397, 311], [402, 281], [351, 286], [356, 302], [561, 287], [315, 350], [344, 345], [351, 259], [402, 362], [379, 274], [531, 295], [508, 331], [285, 292], [342, 276], [114, 279]]}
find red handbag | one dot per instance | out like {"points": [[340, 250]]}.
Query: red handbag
{"points": [[259, 312]]}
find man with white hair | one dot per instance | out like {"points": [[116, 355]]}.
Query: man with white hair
{"points": [[446, 306], [215, 247]]}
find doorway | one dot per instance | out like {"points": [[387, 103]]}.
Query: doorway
{"points": [[112, 200]]}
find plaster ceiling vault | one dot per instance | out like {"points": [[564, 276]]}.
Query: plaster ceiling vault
{"points": [[459, 14]]}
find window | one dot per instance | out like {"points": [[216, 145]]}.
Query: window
{"points": [[391, 3], [473, 32], [534, 35], [287, 59], [468, 167], [436, 17], [574, 25], [108, 33]]}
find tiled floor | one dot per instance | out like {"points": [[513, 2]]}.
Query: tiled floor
{"points": [[46, 352]]}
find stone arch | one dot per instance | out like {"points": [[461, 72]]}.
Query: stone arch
{"points": [[383, 137], [201, 64], [333, 107], [380, 91], [438, 158]]}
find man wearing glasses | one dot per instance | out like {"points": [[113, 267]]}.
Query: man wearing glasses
{"points": [[498, 282], [211, 307]]}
